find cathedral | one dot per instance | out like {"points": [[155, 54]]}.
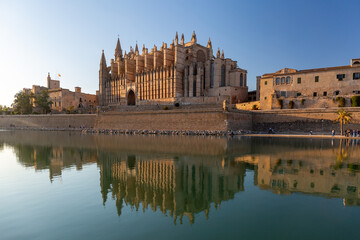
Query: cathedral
{"points": [[183, 73]]}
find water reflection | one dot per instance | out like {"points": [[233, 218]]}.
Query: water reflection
{"points": [[183, 176]]}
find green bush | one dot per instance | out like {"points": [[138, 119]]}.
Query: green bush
{"points": [[355, 101], [165, 108], [280, 103], [291, 104], [177, 104], [341, 101], [254, 107]]}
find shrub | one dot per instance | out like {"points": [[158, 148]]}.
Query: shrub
{"points": [[165, 108], [291, 104], [355, 101], [177, 104], [254, 107], [302, 101], [341, 101], [280, 103]]}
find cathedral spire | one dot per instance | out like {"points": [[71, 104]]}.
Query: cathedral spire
{"points": [[182, 39], [218, 53], [103, 60], [176, 38], [193, 37], [143, 48], [209, 44], [136, 49], [118, 51]]}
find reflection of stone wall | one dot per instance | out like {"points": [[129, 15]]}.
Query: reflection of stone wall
{"points": [[177, 187], [332, 173]]}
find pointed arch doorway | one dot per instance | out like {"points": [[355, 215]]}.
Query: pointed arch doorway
{"points": [[131, 98]]}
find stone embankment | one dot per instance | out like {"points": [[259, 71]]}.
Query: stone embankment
{"points": [[164, 132]]}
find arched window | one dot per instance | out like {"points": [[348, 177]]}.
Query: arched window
{"points": [[195, 69], [204, 78], [287, 80], [212, 75], [194, 88], [241, 80], [222, 76], [283, 80], [277, 81]]}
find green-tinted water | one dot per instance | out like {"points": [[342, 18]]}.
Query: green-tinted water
{"points": [[59, 185]]}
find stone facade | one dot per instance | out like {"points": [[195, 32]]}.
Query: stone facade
{"points": [[64, 99], [311, 88], [183, 72]]}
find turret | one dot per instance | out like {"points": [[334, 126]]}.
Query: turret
{"points": [[218, 53], [209, 44], [193, 38], [222, 54], [182, 39], [136, 49], [176, 39], [48, 80], [118, 51]]}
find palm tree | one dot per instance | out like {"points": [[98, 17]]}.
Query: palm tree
{"points": [[343, 117]]}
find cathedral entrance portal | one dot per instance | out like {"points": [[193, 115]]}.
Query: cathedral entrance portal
{"points": [[131, 98]]}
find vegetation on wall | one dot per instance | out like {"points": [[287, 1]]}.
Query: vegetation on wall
{"points": [[254, 107], [355, 101], [341, 101]]}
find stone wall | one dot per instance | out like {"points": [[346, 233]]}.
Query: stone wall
{"points": [[60, 121], [302, 120], [190, 120]]}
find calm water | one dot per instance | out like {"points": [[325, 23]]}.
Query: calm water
{"points": [[59, 185]]}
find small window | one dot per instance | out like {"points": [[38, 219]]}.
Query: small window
{"points": [[336, 93], [299, 80], [287, 80], [315, 94], [340, 77], [277, 81], [324, 94], [283, 80], [356, 76], [265, 82], [265, 98], [316, 78], [298, 94]]}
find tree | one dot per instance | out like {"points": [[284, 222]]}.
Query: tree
{"points": [[343, 117], [42, 101], [22, 103]]}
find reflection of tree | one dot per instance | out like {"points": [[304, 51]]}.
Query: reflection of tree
{"points": [[53, 158], [175, 187]]}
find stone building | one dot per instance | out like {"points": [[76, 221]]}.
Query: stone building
{"points": [[64, 99], [182, 72], [310, 88]]}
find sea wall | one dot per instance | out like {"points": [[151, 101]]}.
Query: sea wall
{"points": [[285, 120], [177, 120], [302, 120], [54, 121]]}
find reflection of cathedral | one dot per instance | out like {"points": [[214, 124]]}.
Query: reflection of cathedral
{"points": [[175, 187]]}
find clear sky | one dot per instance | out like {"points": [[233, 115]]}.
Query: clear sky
{"points": [[66, 37]]}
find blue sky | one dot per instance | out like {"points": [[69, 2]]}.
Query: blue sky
{"points": [[66, 37]]}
